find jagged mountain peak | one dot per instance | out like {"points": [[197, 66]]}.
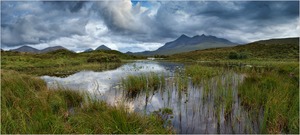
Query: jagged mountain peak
{"points": [[185, 43], [184, 36], [102, 47]]}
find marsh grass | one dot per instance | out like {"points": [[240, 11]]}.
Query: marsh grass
{"points": [[199, 73], [270, 89], [134, 84], [27, 106], [277, 92], [181, 82], [166, 114]]}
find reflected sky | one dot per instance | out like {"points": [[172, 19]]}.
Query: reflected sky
{"points": [[102, 81]]}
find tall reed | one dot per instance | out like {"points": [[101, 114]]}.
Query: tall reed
{"points": [[134, 84]]}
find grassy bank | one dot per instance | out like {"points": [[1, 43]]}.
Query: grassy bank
{"points": [[61, 62], [280, 49], [27, 106]]}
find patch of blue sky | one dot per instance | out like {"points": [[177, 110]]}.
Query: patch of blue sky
{"points": [[144, 3]]}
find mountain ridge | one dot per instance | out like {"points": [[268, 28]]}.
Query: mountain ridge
{"points": [[29, 49], [185, 43], [26, 48], [50, 49]]}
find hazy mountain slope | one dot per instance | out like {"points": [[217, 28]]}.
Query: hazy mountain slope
{"points": [[34, 50], [50, 49], [88, 50], [186, 44], [26, 49]]}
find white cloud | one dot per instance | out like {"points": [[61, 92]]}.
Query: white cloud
{"points": [[96, 28]]}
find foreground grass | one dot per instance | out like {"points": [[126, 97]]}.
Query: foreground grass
{"points": [[27, 106], [277, 94]]}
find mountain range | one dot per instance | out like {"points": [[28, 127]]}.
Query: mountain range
{"points": [[102, 47], [186, 44], [50, 49], [26, 49], [179, 45], [34, 50]]}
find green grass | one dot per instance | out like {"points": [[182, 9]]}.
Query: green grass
{"points": [[199, 73], [181, 82], [134, 84], [166, 114], [27, 106], [271, 86], [278, 95], [61, 62]]}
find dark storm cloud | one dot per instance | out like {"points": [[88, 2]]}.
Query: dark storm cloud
{"points": [[196, 17], [216, 17], [72, 6], [258, 11], [38, 22], [272, 9], [125, 25]]}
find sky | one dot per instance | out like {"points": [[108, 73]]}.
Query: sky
{"points": [[135, 26]]}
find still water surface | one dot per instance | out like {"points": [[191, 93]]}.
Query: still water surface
{"points": [[199, 109]]}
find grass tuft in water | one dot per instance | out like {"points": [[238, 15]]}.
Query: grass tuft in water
{"points": [[134, 84], [198, 73]]}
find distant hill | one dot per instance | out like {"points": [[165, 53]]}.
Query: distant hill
{"points": [[186, 44], [34, 50], [285, 48], [279, 41], [102, 47], [26, 49], [129, 53], [88, 50], [50, 49]]}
